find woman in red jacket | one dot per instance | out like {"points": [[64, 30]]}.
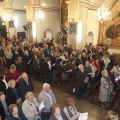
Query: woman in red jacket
{"points": [[97, 73]]}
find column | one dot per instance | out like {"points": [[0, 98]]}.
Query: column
{"points": [[101, 30], [83, 13], [38, 30]]}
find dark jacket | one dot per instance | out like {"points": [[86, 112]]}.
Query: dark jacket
{"points": [[2, 111], [11, 95], [52, 117], [53, 61], [24, 87], [36, 65], [79, 61], [80, 78], [2, 86], [20, 114]]}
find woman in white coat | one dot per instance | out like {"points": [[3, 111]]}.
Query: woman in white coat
{"points": [[30, 107]]}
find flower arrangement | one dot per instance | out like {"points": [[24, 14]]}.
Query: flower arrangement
{"points": [[108, 41]]}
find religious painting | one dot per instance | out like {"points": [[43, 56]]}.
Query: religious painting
{"points": [[73, 27], [29, 25], [11, 23]]}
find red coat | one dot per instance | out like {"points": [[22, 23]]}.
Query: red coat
{"points": [[13, 76], [98, 68]]}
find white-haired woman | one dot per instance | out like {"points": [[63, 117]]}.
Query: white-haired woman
{"points": [[106, 87], [30, 107]]}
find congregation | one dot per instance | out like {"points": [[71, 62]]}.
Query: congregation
{"points": [[17, 100]]}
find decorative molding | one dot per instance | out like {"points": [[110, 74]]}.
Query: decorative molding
{"points": [[20, 11], [46, 8]]}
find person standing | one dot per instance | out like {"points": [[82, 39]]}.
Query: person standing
{"points": [[47, 97], [82, 81], [26, 85]]}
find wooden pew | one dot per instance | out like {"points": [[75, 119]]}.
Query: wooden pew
{"points": [[95, 91]]}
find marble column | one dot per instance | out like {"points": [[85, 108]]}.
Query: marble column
{"points": [[101, 30]]}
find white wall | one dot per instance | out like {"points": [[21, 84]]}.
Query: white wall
{"points": [[50, 3], [19, 20], [51, 21], [92, 25], [19, 4]]}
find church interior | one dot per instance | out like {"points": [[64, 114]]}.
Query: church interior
{"points": [[63, 43]]}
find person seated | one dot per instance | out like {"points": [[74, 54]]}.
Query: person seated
{"points": [[30, 107], [13, 74], [111, 115], [70, 110], [13, 94], [3, 83], [57, 114], [15, 113], [3, 106]]}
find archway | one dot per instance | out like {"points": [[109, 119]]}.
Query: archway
{"points": [[90, 37]]}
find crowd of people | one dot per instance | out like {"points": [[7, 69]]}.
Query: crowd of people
{"points": [[48, 57]]}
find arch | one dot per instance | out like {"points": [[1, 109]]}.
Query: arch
{"points": [[90, 37]]}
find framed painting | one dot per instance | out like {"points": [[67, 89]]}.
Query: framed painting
{"points": [[73, 27]]}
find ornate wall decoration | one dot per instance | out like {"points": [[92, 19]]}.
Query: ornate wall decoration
{"points": [[64, 14]]}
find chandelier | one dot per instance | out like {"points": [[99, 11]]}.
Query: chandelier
{"points": [[102, 14], [39, 15]]}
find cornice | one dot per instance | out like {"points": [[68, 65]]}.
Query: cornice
{"points": [[46, 8]]}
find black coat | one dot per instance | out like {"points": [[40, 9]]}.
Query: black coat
{"points": [[53, 61], [47, 52], [20, 114], [52, 117], [11, 97], [36, 65], [80, 78], [24, 87], [2, 87], [79, 61], [48, 70], [2, 111]]}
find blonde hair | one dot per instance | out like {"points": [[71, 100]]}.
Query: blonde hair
{"points": [[10, 82], [111, 115], [29, 94]]}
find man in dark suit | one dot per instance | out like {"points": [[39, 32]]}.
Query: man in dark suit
{"points": [[27, 61], [81, 82], [53, 59], [46, 51], [26, 85], [3, 106], [68, 49], [86, 49], [79, 59]]}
